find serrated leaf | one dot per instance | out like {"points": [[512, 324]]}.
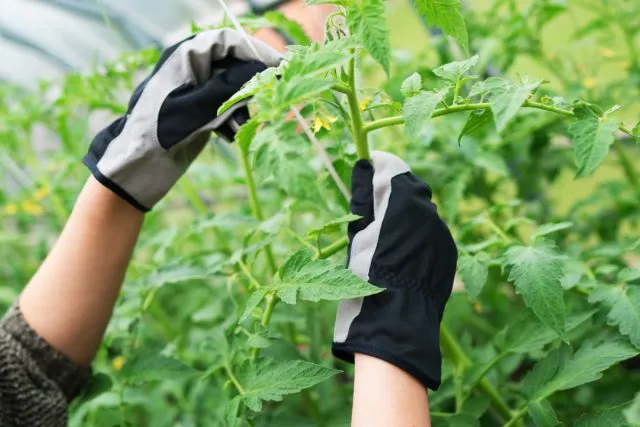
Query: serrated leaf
{"points": [[446, 14], [545, 229], [573, 370], [476, 120], [412, 85], [254, 301], [591, 138], [333, 225], [250, 88], [474, 270], [298, 89], [315, 280], [537, 272], [148, 365], [624, 308], [454, 71], [507, 98], [269, 380], [526, 334], [543, 414], [543, 372], [418, 109], [606, 418], [367, 21]]}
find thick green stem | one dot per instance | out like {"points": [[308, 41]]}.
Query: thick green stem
{"points": [[515, 418], [357, 127], [398, 120], [627, 167], [459, 358], [255, 205]]}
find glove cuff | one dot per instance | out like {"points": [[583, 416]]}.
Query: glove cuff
{"points": [[90, 162], [346, 352]]}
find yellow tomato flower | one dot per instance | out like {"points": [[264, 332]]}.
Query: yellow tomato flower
{"points": [[118, 363], [607, 53], [589, 82], [364, 104], [10, 209], [41, 193], [322, 122], [32, 208]]}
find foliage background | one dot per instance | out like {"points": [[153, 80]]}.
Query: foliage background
{"points": [[177, 347]]}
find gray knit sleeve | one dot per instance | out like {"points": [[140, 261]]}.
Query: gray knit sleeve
{"points": [[36, 382]]}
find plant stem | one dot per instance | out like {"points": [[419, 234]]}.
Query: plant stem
{"points": [[342, 88], [333, 248], [193, 196], [247, 272], [255, 205], [453, 348], [357, 127], [398, 120], [496, 228], [233, 378], [627, 167], [516, 416]]}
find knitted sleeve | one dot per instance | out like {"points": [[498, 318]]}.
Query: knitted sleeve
{"points": [[36, 382]]}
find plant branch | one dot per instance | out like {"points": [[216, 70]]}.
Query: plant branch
{"points": [[333, 248], [398, 120], [357, 127], [516, 416], [342, 88], [233, 378]]}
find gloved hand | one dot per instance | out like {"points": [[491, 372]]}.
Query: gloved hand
{"points": [[172, 113], [402, 245]]}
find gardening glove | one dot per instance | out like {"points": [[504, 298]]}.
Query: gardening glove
{"points": [[403, 246], [172, 113]]}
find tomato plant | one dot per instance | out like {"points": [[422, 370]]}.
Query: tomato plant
{"points": [[227, 314]]}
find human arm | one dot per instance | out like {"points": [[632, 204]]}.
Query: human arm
{"points": [[402, 245]]}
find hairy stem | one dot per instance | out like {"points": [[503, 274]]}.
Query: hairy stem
{"points": [[357, 127], [333, 248]]}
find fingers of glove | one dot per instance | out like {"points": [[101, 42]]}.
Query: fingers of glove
{"points": [[190, 108], [361, 196]]}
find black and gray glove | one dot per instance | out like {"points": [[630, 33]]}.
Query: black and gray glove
{"points": [[402, 245], [171, 114]]}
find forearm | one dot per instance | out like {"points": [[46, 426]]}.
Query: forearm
{"points": [[385, 395], [69, 300]]}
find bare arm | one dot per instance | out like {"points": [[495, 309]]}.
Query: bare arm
{"points": [[69, 300], [385, 395]]}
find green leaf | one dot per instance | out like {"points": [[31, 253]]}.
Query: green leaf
{"points": [[368, 23], [252, 87], [333, 225], [591, 138], [232, 411], [149, 365], [254, 301], [268, 380], [474, 270], [246, 133], [632, 413], [451, 195], [315, 280], [526, 333], [636, 132], [418, 109], [294, 30], [172, 274], [507, 98], [476, 120], [628, 275], [454, 71], [624, 308], [412, 85], [606, 418], [545, 229], [446, 14], [537, 272], [563, 370], [543, 414]]}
